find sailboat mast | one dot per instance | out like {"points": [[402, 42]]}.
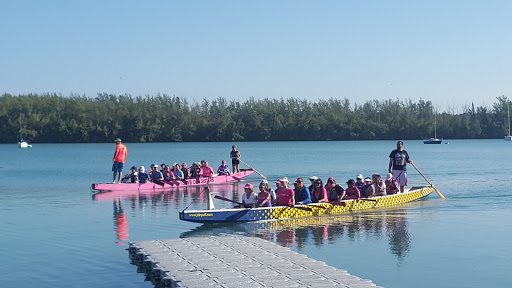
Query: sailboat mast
{"points": [[435, 126], [508, 119]]}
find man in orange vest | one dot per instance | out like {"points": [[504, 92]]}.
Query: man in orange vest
{"points": [[119, 158]]}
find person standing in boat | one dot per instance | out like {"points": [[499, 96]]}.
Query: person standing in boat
{"points": [[118, 161], [302, 195], [235, 159], [398, 160], [285, 195], [223, 169]]}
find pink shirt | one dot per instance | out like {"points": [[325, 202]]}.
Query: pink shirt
{"points": [[315, 197], [120, 154], [284, 196], [207, 171]]}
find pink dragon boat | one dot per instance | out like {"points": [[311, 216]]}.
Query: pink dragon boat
{"points": [[161, 185]]}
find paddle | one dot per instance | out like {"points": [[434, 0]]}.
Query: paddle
{"points": [[318, 206], [301, 208], [438, 193], [229, 200], [253, 169], [158, 182]]}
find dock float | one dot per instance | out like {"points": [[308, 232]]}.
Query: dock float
{"points": [[233, 261]]}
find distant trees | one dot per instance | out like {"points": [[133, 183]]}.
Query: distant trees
{"points": [[56, 119]]}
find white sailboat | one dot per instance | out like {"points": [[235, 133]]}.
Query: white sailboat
{"points": [[22, 143], [508, 137], [434, 140]]}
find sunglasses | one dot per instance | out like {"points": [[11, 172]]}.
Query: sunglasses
{"points": [[318, 184]]}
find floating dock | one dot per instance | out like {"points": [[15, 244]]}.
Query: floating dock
{"points": [[231, 261]]}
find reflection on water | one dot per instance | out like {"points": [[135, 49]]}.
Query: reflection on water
{"points": [[120, 222], [312, 231], [321, 230]]}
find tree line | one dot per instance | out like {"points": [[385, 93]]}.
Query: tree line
{"points": [[53, 118]]}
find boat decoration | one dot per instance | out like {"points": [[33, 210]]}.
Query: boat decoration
{"points": [[212, 215], [161, 185]]}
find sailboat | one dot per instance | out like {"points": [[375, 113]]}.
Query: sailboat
{"points": [[434, 140], [22, 143], [508, 137]]}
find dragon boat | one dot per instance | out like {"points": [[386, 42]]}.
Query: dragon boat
{"points": [[162, 185], [212, 215]]}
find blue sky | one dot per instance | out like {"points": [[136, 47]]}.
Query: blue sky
{"points": [[452, 53]]}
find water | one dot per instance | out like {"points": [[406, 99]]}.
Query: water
{"points": [[55, 234]]}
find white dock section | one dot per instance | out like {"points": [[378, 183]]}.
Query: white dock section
{"points": [[230, 261]]}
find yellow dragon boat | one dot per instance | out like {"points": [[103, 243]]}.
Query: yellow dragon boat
{"points": [[212, 215]]}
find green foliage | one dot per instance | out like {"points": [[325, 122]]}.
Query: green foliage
{"points": [[52, 118]]}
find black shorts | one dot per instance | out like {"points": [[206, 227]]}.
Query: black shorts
{"points": [[235, 162]]}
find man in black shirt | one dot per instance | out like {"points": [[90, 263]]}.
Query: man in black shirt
{"points": [[398, 160]]}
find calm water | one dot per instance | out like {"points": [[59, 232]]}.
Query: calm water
{"points": [[55, 234]]}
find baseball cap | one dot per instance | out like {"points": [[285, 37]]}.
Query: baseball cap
{"points": [[117, 140]]}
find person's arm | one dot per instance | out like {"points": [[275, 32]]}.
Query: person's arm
{"points": [[390, 164], [372, 188], [343, 193], [115, 154], [265, 201], [324, 196], [306, 200]]}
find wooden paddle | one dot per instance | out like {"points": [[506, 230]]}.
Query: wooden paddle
{"points": [[158, 182], [253, 169], [317, 206], [438, 193], [301, 208], [229, 200]]}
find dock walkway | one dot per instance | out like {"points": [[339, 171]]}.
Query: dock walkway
{"points": [[231, 261]]}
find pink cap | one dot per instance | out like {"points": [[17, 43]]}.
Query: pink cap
{"points": [[330, 178], [248, 186], [183, 164]]}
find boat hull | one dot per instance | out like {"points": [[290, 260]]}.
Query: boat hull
{"points": [[284, 212], [433, 141], [201, 181]]}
